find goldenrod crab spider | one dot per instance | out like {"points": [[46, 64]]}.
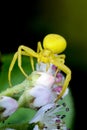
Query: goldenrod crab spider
{"points": [[53, 44]]}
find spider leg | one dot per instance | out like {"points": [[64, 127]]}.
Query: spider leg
{"points": [[23, 50], [31, 59], [67, 71], [32, 62], [62, 56], [11, 67], [39, 47]]}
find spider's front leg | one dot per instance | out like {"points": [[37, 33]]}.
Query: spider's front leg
{"points": [[22, 50], [16, 56], [11, 67], [67, 71]]}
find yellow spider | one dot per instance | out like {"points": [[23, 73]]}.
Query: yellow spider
{"points": [[53, 44]]}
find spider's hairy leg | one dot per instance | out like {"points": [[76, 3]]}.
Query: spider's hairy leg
{"points": [[67, 71], [32, 62], [27, 51], [11, 67], [20, 53], [39, 47], [23, 50]]}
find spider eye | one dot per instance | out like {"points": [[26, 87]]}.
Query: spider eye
{"points": [[54, 43]]}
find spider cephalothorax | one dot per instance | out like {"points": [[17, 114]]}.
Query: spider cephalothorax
{"points": [[53, 45]]}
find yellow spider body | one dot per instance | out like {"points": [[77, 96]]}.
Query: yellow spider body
{"points": [[53, 44]]}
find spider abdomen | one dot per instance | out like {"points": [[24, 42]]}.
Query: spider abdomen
{"points": [[55, 43]]}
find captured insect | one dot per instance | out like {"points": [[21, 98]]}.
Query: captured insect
{"points": [[53, 45]]}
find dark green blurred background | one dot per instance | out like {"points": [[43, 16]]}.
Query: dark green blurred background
{"points": [[27, 23]]}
